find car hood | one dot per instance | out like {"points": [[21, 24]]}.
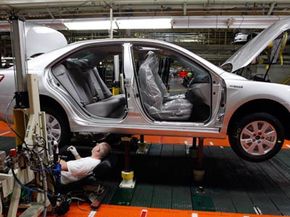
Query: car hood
{"points": [[253, 48], [230, 76]]}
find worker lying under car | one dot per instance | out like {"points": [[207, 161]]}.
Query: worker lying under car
{"points": [[75, 170]]}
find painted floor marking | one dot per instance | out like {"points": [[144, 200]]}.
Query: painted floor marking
{"points": [[257, 210], [7, 132], [92, 213]]}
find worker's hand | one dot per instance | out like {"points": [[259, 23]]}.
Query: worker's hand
{"points": [[73, 150]]}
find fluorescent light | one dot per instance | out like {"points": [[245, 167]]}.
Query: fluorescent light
{"points": [[189, 40], [141, 23], [90, 25], [121, 23]]}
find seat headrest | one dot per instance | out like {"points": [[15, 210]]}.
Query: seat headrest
{"points": [[77, 64], [152, 61], [151, 56]]}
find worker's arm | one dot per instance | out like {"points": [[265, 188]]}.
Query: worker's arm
{"points": [[63, 165], [74, 151], [78, 157]]}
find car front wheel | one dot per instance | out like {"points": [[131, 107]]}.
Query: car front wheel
{"points": [[257, 137]]}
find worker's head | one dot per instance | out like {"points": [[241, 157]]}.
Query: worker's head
{"points": [[101, 150]]}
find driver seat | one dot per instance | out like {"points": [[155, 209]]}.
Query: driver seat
{"points": [[154, 96]]}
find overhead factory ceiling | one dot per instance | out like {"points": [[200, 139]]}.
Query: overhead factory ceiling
{"points": [[53, 9], [206, 27]]}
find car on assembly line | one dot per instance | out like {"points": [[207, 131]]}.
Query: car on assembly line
{"points": [[242, 37], [75, 85]]}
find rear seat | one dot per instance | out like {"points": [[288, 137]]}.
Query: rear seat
{"points": [[86, 86], [81, 78], [62, 74]]}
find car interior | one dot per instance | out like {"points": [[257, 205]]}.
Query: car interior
{"points": [[82, 80], [168, 99], [165, 95]]}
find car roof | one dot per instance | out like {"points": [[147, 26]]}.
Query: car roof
{"points": [[44, 60]]}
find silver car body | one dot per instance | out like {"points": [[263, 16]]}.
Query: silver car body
{"points": [[136, 121], [238, 92]]}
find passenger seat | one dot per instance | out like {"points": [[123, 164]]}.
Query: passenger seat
{"points": [[153, 94]]}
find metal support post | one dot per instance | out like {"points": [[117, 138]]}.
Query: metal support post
{"points": [[127, 156], [194, 142], [30, 127], [127, 174], [142, 138], [198, 171], [18, 47]]}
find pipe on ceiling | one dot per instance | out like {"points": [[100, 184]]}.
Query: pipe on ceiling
{"points": [[180, 22], [134, 2]]}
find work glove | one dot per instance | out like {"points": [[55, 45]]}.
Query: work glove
{"points": [[73, 150]]}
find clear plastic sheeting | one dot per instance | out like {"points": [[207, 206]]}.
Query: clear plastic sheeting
{"points": [[154, 94]]}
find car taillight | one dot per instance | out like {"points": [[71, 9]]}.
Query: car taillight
{"points": [[1, 77]]}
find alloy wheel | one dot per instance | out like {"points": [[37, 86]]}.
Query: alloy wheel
{"points": [[258, 138]]}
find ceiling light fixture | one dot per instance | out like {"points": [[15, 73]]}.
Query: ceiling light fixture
{"points": [[121, 23], [90, 25], [144, 23]]}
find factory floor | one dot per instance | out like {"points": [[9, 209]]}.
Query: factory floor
{"points": [[165, 184]]}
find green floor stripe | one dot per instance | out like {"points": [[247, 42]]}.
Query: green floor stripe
{"points": [[179, 150], [155, 149], [201, 200], [181, 198], [143, 195], [278, 190], [161, 196], [284, 156], [215, 180], [241, 199], [123, 196], [111, 188], [167, 150], [221, 201]]}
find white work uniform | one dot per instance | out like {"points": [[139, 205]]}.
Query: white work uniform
{"points": [[78, 169]]}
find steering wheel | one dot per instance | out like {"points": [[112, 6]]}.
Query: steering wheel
{"points": [[191, 82]]}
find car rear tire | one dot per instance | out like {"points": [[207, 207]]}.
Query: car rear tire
{"points": [[57, 126], [257, 137]]}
